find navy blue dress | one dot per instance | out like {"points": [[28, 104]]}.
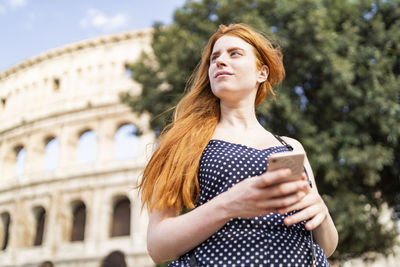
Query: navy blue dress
{"points": [[259, 241]]}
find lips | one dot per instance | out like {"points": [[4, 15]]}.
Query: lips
{"points": [[219, 73]]}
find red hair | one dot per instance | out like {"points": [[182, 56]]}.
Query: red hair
{"points": [[170, 178]]}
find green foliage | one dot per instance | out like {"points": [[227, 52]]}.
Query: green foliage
{"points": [[341, 96]]}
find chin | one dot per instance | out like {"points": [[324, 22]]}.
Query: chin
{"points": [[221, 92]]}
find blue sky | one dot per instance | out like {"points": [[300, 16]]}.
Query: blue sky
{"points": [[29, 27]]}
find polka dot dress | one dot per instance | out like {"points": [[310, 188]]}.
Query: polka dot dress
{"points": [[259, 241]]}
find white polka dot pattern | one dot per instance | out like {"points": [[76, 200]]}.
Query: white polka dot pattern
{"points": [[259, 241]]}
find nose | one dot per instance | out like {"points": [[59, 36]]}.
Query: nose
{"points": [[220, 61]]}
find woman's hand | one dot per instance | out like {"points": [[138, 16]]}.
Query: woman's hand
{"points": [[311, 207], [263, 194]]}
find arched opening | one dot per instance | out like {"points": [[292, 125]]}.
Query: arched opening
{"points": [[20, 153], [3, 102], [5, 219], [125, 142], [51, 154], [128, 70], [78, 221], [40, 218], [46, 264], [87, 147], [114, 259], [56, 84], [121, 220]]}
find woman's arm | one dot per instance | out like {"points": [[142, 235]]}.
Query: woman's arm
{"points": [[312, 207], [325, 234], [171, 235]]}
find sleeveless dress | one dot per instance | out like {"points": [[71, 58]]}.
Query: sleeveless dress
{"points": [[259, 241]]}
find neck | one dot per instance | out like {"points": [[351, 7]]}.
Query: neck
{"points": [[238, 115]]}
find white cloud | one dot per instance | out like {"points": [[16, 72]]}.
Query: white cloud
{"points": [[13, 4], [97, 19], [17, 3], [2, 9]]}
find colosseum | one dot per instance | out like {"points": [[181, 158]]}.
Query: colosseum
{"points": [[71, 155]]}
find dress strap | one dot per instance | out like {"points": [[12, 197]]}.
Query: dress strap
{"points": [[283, 142]]}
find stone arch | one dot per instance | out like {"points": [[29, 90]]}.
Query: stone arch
{"points": [[56, 84], [4, 229], [126, 141], [20, 160], [114, 259], [40, 221], [9, 160], [78, 210], [121, 216], [46, 264], [87, 146], [51, 152], [127, 69]]}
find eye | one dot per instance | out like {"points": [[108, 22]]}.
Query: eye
{"points": [[213, 57], [236, 53]]}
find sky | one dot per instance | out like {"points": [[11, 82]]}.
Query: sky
{"points": [[29, 27]]}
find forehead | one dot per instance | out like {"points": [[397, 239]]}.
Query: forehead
{"points": [[228, 41]]}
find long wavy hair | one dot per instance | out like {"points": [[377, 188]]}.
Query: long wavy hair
{"points": [[170, 177]]}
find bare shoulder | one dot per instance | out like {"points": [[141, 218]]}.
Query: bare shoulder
{"points": [[294, 143], [299, 147]]}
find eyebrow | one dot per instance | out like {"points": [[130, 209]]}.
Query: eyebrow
{"points": [[229, 50]]}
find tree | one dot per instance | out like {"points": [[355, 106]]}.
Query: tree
{"points": [[341, 96]]}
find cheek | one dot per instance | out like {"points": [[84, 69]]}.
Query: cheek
{"points": [[210, 69]]}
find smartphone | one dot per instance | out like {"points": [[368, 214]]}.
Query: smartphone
{"points": [[287, 160]]}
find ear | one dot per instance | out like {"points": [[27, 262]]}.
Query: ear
{"points": [[263, 74]]}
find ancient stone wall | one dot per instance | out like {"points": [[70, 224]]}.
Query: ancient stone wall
{"points": [[60, 96]]}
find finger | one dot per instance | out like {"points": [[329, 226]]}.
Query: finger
{"points": [[270, 178], [304, 203], [287, 188], [275, 203], [315, 222], [302, 215]]}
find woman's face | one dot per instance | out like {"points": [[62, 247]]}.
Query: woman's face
{"points": [[233, 73]]}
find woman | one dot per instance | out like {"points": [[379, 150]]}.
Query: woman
{"points": [[212, 161]]}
